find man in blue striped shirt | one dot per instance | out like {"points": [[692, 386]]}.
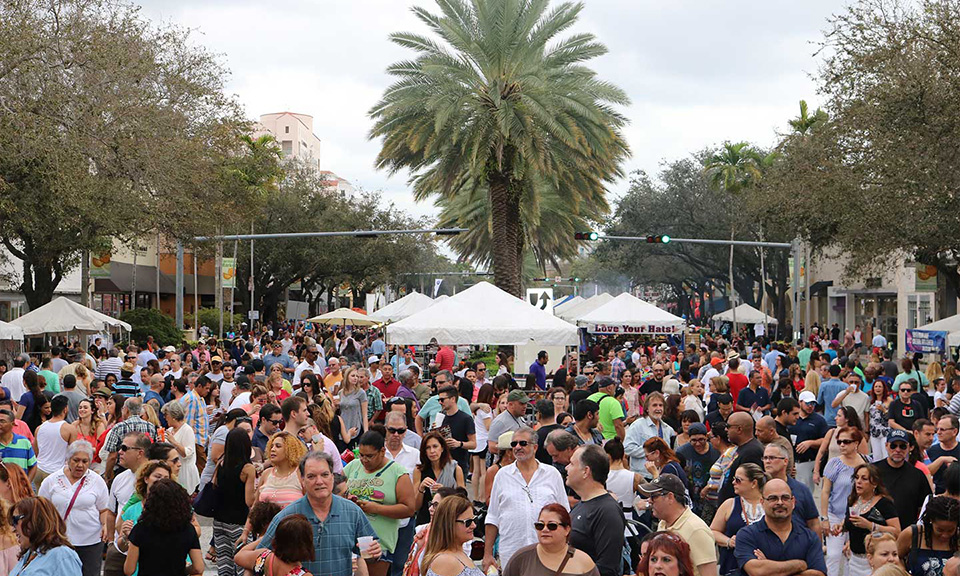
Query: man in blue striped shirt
{"points": [[126, 386], [15, 448]]}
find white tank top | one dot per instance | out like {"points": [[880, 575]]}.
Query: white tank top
{"points": [[51, 447], [620, 482]]}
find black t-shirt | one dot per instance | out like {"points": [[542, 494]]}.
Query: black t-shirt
{"points": [[163, 553], [651, 385], [461, 427], [752, 451], [936, 452], [783, 430], [714, 417], [597, 529], [884, 507], [541, 442], [560, 378], [697, 466], [906, 415], [908, 487]]}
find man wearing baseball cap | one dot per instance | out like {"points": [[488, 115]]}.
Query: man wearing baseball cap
{"points": [[611, 411], [666, 496], [907, 485], [509, 419], [809, 430]]}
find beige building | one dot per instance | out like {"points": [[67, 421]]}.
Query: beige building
{"points": [[294, 133]]}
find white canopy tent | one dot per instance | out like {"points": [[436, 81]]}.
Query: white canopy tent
{"points": [[627, 314], [407, 306], [483, 314], [10, 331], [950, 325], [64, 316], [343, 317], [566, 305], [746, 314], [574, 313]]}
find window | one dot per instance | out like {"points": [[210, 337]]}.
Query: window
{"points": [[286, 129], [286, 148]]}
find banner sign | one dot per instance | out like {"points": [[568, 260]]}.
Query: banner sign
{"points": [[926, 341], [100, 265], [229, 266], [631, 329]]}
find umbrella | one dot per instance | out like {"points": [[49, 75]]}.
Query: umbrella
{"points": [[343, 317]]}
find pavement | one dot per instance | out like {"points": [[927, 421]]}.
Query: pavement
{"points": [[206, 536]]}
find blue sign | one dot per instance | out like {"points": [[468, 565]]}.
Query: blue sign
{"points": [[926, 341]]}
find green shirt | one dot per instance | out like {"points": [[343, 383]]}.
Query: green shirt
{"points": [[53, 381], [610, 410], [804, 357], [379, 487]]}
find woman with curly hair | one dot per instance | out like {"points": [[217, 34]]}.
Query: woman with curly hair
{"points": [[932, 541], [44, 548], [14, 485], [281, 482], [164, 535], [9, 547], [147, 476]]}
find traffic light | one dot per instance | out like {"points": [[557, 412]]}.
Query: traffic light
{"points": [[658, 239], [586, 235]]}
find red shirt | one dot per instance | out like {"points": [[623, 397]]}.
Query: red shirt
{"points": [[388, 389], [445, 358], [737, 383]]}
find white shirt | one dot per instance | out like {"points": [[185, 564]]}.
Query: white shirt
{"points": [[408, 457], [144, 357], [707, 386], [13, 381], [318, 368], [242, 399], [515, 505], [226, 392], [287, 345], [83, 525]]}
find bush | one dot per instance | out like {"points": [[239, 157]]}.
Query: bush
{"points": [[210, 317], [152, 322]]}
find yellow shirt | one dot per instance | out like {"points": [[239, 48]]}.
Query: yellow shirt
{"points": [[331, 380], [690, 527]]}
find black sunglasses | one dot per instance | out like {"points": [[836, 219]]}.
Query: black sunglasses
{"points": [[550, 526], [275, 422], [17, 518], [468, 522], [397, 430], [521, 443]]}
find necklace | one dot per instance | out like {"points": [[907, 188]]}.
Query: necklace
{"points": [[750, 512], [861, 506]]}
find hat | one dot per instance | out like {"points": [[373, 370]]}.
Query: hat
{"points": [[373, 360], [503, 442], [104, 392], [716, 362], [128, 367], [897, 435], [517, 396], [580, 380], [604, 381], [696, 428], [671, 386], [808, 397], [169, 349], [663, 346], [665, 483], [733, 355], [216, 359]]}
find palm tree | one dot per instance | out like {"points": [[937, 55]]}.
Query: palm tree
{"points": [[805, 123], [497, 104]]}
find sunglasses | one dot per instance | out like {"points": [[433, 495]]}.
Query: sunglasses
{"points": [[176, 460], [124, 448], [843, 442], [276, 422], [898, 446], [908, 390], [397, 430], [469, 522], [520, 443], [550, 526], [17, 518]]}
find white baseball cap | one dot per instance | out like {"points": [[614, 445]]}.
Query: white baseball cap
{"points": [[808, 397], [373, 359]]}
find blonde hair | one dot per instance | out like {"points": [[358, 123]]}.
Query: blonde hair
{"points": [[871, 541], [345, 386], [934, 371], [149, 414], [890, 570], [292, 447]]}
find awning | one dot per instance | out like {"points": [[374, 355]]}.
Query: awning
{"points": [[121, 280], [820, 288]]}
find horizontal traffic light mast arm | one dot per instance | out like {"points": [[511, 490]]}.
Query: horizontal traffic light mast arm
{"points": [[354, 233], [704, 241]]}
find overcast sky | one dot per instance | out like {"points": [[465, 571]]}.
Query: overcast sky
{"points": [[698, 72]]}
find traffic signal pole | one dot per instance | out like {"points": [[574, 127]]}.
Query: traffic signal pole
{"points": [[794, 247]]}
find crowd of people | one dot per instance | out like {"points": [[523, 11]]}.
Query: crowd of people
{"points": [[328, 452]]}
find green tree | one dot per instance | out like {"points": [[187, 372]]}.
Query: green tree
{"points": [[497, 104]]}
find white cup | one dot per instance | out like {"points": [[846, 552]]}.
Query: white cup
{"points": [[364, 543]]}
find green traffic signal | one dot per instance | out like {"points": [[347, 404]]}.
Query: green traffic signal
{"points": [[665, 239], [594, 236]]}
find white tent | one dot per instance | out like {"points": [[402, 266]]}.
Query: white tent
{"points": [[574, 313], [10, 332], [566, 305], [483, 314], [746, 314], [950, 325], [62, 316], [407, 306], [627, 314]]}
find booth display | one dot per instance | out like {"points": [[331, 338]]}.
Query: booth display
{"points": [[627, 314], [483, 314], [64, 316], [746, 314], [935, 336], [407, 306]]}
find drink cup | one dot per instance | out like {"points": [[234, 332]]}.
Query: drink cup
{"points": [[364, 543]]}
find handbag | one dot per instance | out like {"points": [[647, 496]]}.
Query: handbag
{"points": [[205, 504], [74, 499]]}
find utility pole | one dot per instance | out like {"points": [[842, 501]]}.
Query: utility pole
{"points": [[179, 306]]}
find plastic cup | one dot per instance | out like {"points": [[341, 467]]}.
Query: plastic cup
{"points": [[364, 543]]}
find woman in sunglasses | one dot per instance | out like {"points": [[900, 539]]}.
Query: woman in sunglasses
{"points": [[551, 554], [44, 548], [452, 526], [836, 490]]}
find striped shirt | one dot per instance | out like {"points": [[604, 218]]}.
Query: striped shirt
{"points": [[128, 388], [109, 366], [19, 451], [196, 415], [131, 424]]}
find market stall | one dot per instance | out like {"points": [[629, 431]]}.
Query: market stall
{"points": [[746, 314], [628, 315], [573, 313], [407, 306]]}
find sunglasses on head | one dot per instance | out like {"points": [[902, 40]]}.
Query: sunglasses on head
{"points": [[550, 526]]}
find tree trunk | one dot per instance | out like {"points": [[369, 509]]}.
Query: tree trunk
{"points": [[39, 284], [507, 233]]}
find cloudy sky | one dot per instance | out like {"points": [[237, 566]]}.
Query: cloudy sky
{"points": [[698, 72]]}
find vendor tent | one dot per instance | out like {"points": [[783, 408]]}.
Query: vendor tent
{"points": [[746, 314], [574, 313], [63, 316], [343, 317], [950, 325], [627, 314], [566, 305], [10, 331], [407, 306], [483, 314]]}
